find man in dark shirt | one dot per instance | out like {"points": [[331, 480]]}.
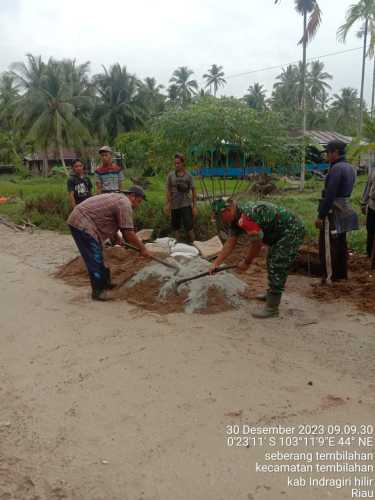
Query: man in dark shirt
{"points": [[335, 216], [79, 186], [181, 202]]}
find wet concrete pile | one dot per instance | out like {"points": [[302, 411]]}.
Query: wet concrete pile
{"points": [[154, 286]]}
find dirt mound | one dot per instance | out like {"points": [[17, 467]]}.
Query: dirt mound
{"points": [[359, 289], [263, 185], [308, 261], [122, 263]]}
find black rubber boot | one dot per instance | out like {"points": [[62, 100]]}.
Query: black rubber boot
{"points": [[271, 309], [107, 285], [100, 294], [99, 290]]}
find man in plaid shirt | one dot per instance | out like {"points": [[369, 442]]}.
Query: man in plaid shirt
{"points": [[97, 219]]}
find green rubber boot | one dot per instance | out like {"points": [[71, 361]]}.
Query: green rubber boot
{"points": [[271, 309]]}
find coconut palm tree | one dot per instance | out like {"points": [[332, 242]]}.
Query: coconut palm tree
{"points": [[29, 74], [150, 96], [9, 96], [173, 94], [10, 134], [256, 97], [286, 90], [118, 106], [317, 83], [363, 11], [184, 86], [49, 108], [312, 16], [215, 78], [344, 110], [203, 93]]}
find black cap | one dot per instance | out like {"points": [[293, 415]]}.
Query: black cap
{"points": [[336, 146], [137, 190]]}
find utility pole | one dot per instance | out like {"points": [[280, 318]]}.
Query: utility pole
{"points": [[303, 152], [360, 124]]}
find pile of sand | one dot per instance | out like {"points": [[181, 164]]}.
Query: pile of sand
{"points": [[122, 263], [359, 289]]}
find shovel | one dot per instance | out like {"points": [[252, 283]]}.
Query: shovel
{"points": [[202, 275], [156, 259]]}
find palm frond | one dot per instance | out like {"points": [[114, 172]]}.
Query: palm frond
{"points": [[313, 24], [355, 13]]}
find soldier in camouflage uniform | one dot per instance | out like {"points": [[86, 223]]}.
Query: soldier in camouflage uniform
{"points": [[265, 223]]}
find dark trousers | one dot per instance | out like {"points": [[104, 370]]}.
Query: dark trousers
{"points": [[370, 224], [182, 217], [92, 254], [339, 255]]}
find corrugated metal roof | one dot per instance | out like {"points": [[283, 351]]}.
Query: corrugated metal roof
{"points": [[69, 154], [322, 137], [53, 154]]}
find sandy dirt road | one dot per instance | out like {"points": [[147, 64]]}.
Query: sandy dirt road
{"points": [[105, 401]]}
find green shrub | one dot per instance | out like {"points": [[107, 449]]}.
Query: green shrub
{"points": [[47, 205], [59, 171]]}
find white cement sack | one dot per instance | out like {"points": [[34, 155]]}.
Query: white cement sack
{"points": [[166, 243], [209, 248], [157, 250], [185, 249], [145, 234], [180, 255]]}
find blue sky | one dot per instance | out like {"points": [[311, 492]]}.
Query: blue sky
{"points": [[153, 38]]}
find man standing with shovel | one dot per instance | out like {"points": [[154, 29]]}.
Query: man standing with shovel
{"points": [[97, 219], [265, 223], [335, 215]]}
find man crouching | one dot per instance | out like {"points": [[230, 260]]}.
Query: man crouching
{"points": [[97, 219], [266, 223]]}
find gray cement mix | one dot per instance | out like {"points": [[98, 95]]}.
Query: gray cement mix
{"points": [[225, 283]]}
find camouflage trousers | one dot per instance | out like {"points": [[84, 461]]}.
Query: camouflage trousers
{"points": [[282, 254]]}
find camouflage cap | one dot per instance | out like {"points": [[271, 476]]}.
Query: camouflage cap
{"points": [[220, 204]]}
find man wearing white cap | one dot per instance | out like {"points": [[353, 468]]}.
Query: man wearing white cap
{"points": [[109, 177]]}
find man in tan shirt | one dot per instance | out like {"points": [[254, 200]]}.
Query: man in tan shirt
{"points": [[97, 219]]}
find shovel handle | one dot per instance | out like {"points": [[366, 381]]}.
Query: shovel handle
{"points": [[156, 259], [202, 275]]}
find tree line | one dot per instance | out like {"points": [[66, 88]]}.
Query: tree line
{"points": [[57, 104]]}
